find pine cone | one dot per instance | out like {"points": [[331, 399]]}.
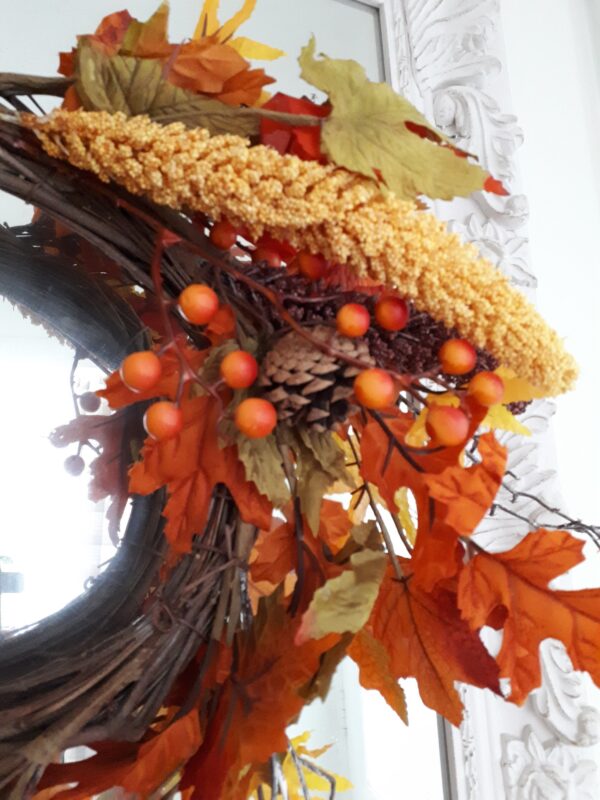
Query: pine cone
{"points": [[307, 386]]}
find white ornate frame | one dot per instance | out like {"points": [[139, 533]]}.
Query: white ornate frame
{"points": [[447, 57]]}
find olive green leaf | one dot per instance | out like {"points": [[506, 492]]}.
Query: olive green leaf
{"points": [[138, 86], [320, 463], [262, 461], [376, 132], [344, 604]]}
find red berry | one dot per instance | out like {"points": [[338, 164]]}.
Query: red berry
{"points": [[255, 417], [239, 369], [353, 320], [163, 420], [447, 425], [74, 465], [89, 402], [223, 234], [457, 356], [310, 266], [391, 313], [374, 388], [487, 388], [141, 371], [198, 303], [266, 256]]}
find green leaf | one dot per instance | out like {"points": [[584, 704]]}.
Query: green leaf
{"points": [[367, 131], [319, 464], [344, 604], [138, 86], [262, 462]]}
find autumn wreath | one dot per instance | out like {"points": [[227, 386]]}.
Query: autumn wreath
{"points": [[320, 366]]}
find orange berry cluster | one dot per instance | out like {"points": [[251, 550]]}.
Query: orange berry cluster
{"points": [[449, 426], [141, 372]]}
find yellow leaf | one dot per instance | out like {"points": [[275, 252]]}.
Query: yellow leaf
{"points": [[404, 515], [516, 389], [230, 27], [376, 132], [250, 49], [208, 24], [500, 418]]}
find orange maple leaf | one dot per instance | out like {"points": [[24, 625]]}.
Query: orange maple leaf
{"points": [[190, 465], [262, 697], [516, 583], [140, 769], [275, 553], [426, 639], [454, 503], [375, 670]]}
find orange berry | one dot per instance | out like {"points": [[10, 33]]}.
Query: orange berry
{"points": [[239, 369], [310, 266], [486, 388], [447, 425], [255, 417], [353, 320], [163, 420], [457, 356], [267, 256], [223, 234], [141, 371], [198, 303], [391, 313], [374, 388]]}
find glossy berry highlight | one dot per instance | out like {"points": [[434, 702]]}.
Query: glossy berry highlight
{"points": [[198, 303], [141, 371], [353, 320], [392, 313], [486, 388], [163, 420], [255, 417], [446, 425], [239, 369], [457, 357], [374, 388]]}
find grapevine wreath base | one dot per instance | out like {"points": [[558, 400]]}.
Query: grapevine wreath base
{"points": [[284, 323]]}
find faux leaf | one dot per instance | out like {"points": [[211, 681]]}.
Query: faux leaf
{"points": [[404, 514], [303, 141], [262, 461], [149, 39], [516, 389], [426, 638], [251, 50], [375, 671], [137, 86], [190, 465], [376, 132], [343, 604], [516, 582], [499, 418], [138, 769], [465, 495]]}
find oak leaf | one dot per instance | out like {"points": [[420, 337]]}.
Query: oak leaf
{"points": [[375, 671], [425, 638], [371, 130], [140, 769], [466, 494], [516, 582]]}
